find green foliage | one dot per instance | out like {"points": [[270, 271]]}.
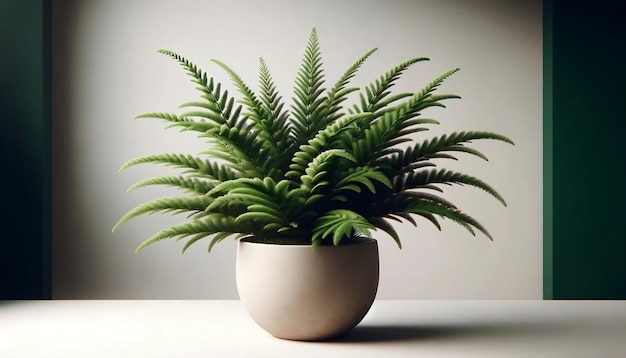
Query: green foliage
{"points": [[315, 173]]}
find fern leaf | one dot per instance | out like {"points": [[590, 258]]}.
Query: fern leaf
{"points": [[316, 170], [325, 139], [430, 87], [183, 121], [237, 146], [218, 237], [221, 236], [193, 185], [184, 161], [379, 89], [260, 114], [340, 223], [308, 97], [249, 97], [211, 224], [430, 217], [193, 240], [274, 121], [442, 176], [192, 164], [224, 113], [198, 76], [394, 122], [398, 216], [213, 117], [453, 214], [384, 225], [205, 105], [338, 93], [177, 204], [263, 200], [365, 176], [411, 157], [376, 138]]}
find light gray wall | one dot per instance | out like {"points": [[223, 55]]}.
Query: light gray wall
{"points": [[106, 70]]}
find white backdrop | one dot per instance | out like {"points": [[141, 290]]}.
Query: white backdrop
{"points": [[106, 70]]}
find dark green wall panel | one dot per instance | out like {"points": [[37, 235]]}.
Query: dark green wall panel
{"points": [[24, 144], [589, 116]]}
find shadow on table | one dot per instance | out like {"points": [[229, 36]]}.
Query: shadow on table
{"points": [[390, 333], [6, 303]]}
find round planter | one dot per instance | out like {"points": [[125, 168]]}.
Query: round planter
{"points": [[297, 293]]}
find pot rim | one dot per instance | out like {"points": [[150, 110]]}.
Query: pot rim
{"points": [[349, 242]]}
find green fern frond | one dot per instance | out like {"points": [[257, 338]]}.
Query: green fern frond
{"points": [[399, 202], [340, 224], [193, 240], [431, 101], [453, 214], [413, 157], [325, 139], [264, 201], [219, 237], [183, 161], [428, 216], [239, 147], [393, 124], [362, 175], [379, 89], [183, 121], [215, 239], [192, 164], [207, 105], [385, 226], [424, 98], [377, 99], [338, 93], [222, 110], [249, 97], [397, 205], [313, 181], [376, 138], [275, 121], [308, 97], [193, 184], [382, 136], [214, 118], [210, 224], [432, 86], [422, 178], [264, 127], [198, 76], [176, 205], [399, 216], [228, 207], [403, 114]]}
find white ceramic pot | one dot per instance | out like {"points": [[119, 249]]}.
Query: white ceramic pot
{"points": [[297, 293]]}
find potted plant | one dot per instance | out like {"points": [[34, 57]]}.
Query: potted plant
{"points": [[303, 188]]}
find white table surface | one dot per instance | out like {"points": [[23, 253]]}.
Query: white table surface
{"points": [[196, 329]]}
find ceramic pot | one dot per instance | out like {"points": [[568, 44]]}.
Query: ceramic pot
{"points": [[297, 293]]}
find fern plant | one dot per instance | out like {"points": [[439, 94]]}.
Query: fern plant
{"points": [[315, 173]]}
